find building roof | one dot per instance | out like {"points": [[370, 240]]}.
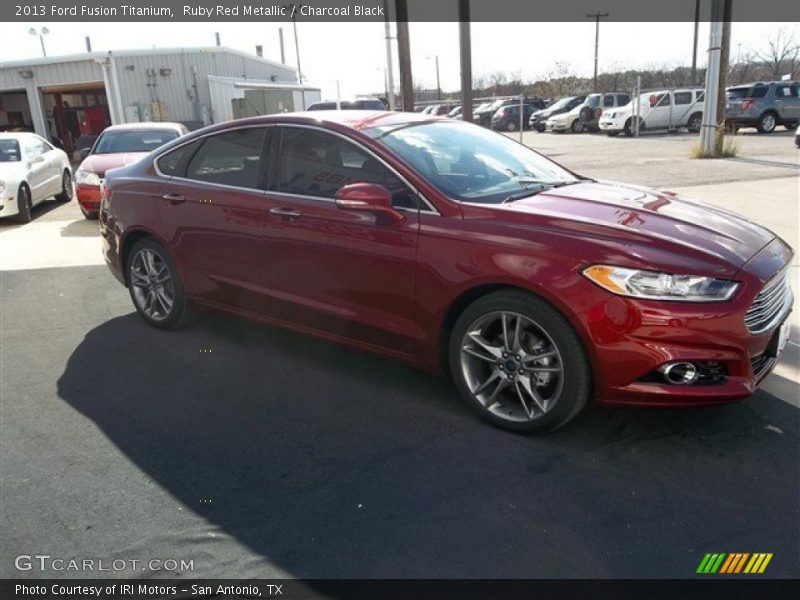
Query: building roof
{"points": [[49, 60]]}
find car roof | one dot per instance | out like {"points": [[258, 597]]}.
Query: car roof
{"points": [[354, 119], [19, 135], [144, 125]]}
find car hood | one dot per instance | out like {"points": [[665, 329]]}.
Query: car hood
{"points": [[632, 216], [12, 170], [100, 163]]}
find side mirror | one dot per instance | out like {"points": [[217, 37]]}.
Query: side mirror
{"points": [[371, 198], [84, 152]]}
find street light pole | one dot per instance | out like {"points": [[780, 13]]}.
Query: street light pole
{"points": [[41, 33], [438, 82], [596, 17]]}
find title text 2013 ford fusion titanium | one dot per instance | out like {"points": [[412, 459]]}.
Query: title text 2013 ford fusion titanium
{"points": [[443, 244]]}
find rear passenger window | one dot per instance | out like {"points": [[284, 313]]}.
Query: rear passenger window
{"points": [[623, 99], [173, 163], [313, 163], [230, 158], [683, 97], [758, 91], [700, 96], [608, 100]]}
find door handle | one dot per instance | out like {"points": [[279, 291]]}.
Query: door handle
{"points": [[174, 198], [286, 213]]}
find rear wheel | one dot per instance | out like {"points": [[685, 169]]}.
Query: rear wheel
{"points": [[517, 362], [24, 206], [155, 286], [66, 187], [790, 125], [767, 123], [511, 126], [695, 121], [539, 128]]}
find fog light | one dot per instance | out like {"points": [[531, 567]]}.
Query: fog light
{"points": [[679, 373]]}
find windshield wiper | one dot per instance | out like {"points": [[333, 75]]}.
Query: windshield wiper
{"points": [[543, 186]]}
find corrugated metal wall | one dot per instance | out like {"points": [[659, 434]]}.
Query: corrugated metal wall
{"points": [[177, 88]]}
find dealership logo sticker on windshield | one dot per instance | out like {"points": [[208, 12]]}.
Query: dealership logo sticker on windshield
{"points": [[733, 563]]}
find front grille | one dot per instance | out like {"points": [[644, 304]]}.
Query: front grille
{"points": [[771, 305], [760, 364]]}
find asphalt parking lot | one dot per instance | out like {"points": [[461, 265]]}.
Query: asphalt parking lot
{"points": [[256, 452]]}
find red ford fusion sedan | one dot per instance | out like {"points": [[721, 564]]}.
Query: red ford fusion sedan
{"points": [[118, 146], [455, 248]]}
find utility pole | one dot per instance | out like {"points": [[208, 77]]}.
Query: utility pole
{"points": [[389, 60], [465, 44], [438, 82], [696, 32], [404, 55], [724, 61], [596, 17], [708, 131]]}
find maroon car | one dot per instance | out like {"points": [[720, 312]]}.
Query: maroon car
{"points": [[444, 244], [117, 146]]}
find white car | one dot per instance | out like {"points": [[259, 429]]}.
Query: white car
{"points": [[584, 117], [31, 171], [660, 109]]}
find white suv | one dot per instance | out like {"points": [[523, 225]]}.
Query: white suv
{"points": [[660, 109]]}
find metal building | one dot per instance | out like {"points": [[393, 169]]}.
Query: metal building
{"points": [[67, 97]]}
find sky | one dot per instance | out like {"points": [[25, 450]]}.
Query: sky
{"points": [[354, 54]]}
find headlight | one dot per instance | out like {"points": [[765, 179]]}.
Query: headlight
{"points": [[86, 177], [652, 285]]}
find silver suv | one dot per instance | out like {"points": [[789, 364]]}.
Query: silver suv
{"points": [[763, 105]]}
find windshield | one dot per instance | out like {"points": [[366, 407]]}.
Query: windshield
{"points": [[469, 163], [143, 140], [593, 101], [9, 151], [561, 103]]}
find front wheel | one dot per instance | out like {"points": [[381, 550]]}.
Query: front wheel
{"points": [[790, 125], [576, 126], [24, 205], [612, 133], [695, 122], [539, 128], [155, 286], [511, 126], [517, 362]]}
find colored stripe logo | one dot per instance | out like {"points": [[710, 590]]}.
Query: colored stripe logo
{"points": [[735, 562]]}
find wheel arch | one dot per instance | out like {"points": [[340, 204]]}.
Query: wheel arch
{"points": [[129, 239], [464, 299]]}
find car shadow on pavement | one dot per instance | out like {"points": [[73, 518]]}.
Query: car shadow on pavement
{"points": [[81, 228], [330, 462]]}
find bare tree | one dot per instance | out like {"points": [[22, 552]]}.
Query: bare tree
{"points": [[780, 53]]}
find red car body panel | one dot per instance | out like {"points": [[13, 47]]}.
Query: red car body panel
{"points": [[394, 288]]}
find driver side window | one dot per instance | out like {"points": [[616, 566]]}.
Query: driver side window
{"points": [[314, 163]]}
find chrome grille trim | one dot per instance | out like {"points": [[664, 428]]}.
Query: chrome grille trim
{"points": [[771, 305]]}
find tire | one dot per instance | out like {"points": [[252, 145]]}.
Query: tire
{"points": [[695, 122], [496, 381], [612, 133], [539, 128], [790, 125], [628, 128], [66, 187], [511, 126], [91, 215], [586, 114], [155, 286], [24, 206], [767, 122], [576, 126]]}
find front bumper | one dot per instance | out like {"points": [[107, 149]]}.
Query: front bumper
{"points": [[630, 339], [609, 125], [555, 125], [88, 197], [8, 202]]}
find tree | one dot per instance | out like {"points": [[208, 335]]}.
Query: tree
{"points": [[780, 53]]}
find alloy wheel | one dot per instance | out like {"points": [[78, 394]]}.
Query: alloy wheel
{"points": [[511, 366], [153, 288]]}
